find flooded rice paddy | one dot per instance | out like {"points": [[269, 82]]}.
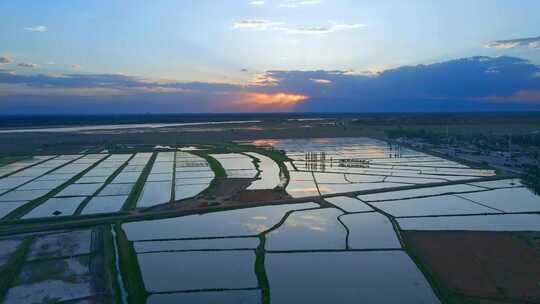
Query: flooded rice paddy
{"points": [[171, 227]]}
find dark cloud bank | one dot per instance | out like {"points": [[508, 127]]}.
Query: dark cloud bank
{"points": [[469, 84]]}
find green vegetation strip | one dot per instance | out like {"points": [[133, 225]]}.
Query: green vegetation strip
{"points": [[129, 266], [110, 262], [260, 270], [276, 155], [105, 184], [256, 162], [440, 291], [8, 160], [444, 294], [131, 202], [215, 165], [532, 179], [24, 209], [218, 169], [10, 270], [173, 188], [55, 223]]}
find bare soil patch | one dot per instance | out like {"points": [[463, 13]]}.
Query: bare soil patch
{"points": [[228, 187], [488, 266], [254, 196]]}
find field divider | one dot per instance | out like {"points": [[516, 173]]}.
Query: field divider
{"points": [[24, 168], [133, 197], [42, 175], [129, 268], [87, 200], [480, 204], [24, 209], [173, 183], [13, 266], [401, 235]]}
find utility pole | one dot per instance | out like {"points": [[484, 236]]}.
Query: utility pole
{"points": [[447, 137], [509, 145]]}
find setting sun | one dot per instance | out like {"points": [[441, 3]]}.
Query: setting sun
{"points": [[268, 102]]}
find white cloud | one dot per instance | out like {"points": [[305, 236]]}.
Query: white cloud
{"points": [[37, 28], [5, 59], [76, 66], [298, 3], [256, 24], [321, 81], [27, 65], [261, 24], [532, 43], [324, 29], [256, 2]]}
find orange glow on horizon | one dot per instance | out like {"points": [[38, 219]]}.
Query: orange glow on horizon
{"points": [[268, 102]]}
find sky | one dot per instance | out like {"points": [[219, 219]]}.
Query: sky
{"points": [[191, 56]]}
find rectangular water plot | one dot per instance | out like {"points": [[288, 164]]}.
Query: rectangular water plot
{"points": [[205, 297], [352, 277], [359, 178], [58, 245], [91, 179], [12, 167], [309, 230], [197, 270], [73, 168], [188, 191], [413, 180], [67, 279], [420, 192], [32, 172], [159, 177], [8, 207], [60, 206], [22, 195], [299, 189], [502, 222], [502, 183], [133, 168], [202, 244], [127, 177], [116, 189], [163, 167], [240, 222], [370, 231], [42, 185], [165, 157], [98, 171], [508, 199], [234, 161], [327, 189], [155, 193], [55, 176], [269, 177], [105, 204], [349, 204], [241, 173], [434, 205], [7, 248], [194, 174], [9, 183], [193, 181], [331, 178], [79, 190]]}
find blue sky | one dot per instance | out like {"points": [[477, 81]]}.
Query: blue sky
{"points": [[233, 49]]}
